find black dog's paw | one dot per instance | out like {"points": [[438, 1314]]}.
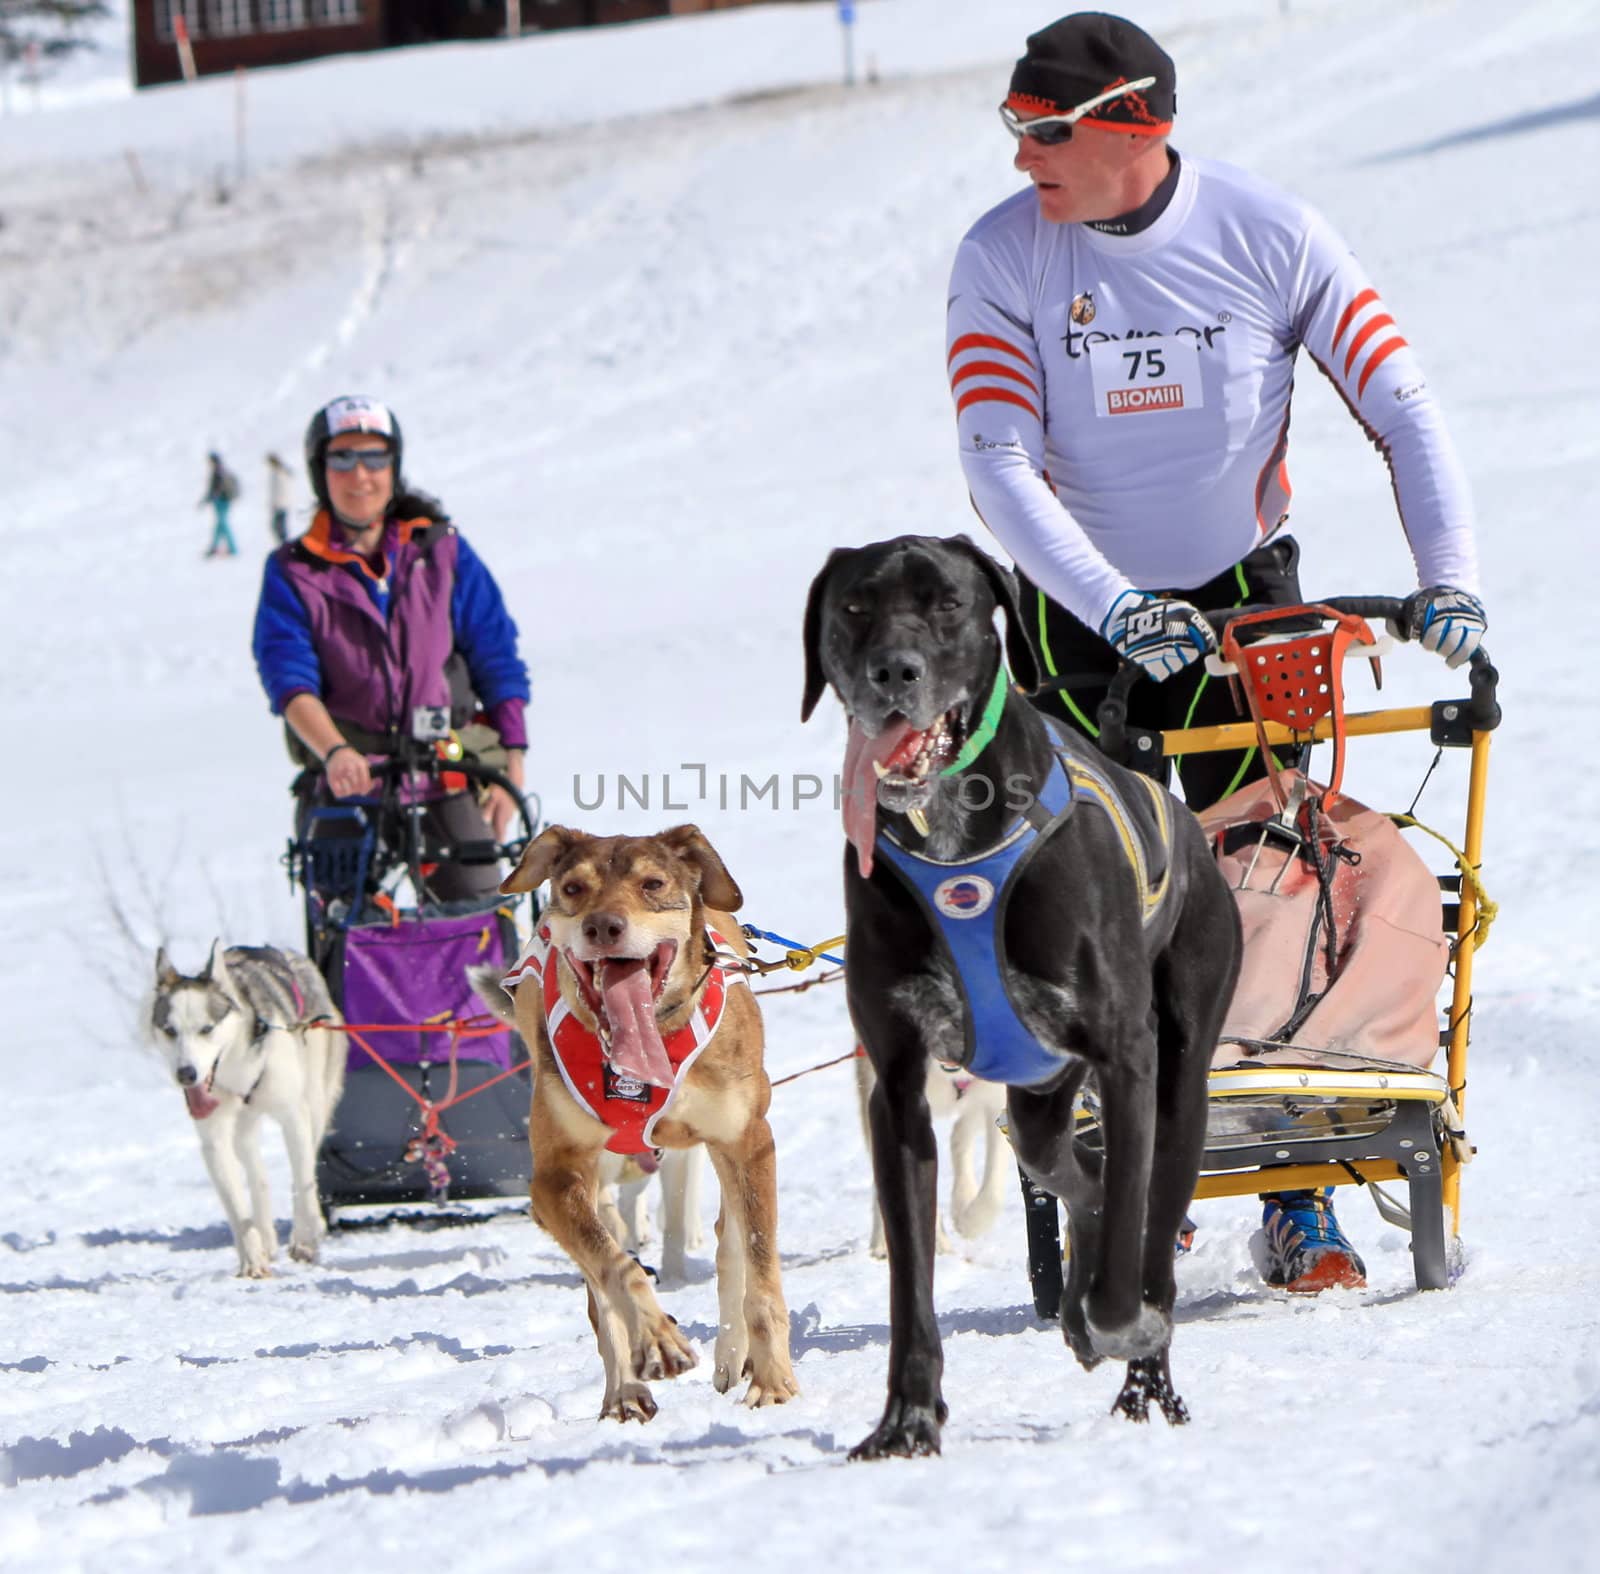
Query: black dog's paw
{"points": [[1075, 1330], [1149, 1379], [1173, 1408], [907, 1431], [1133, 1402]]}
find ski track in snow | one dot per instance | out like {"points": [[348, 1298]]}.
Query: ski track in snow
{"points": [[658, 366]]}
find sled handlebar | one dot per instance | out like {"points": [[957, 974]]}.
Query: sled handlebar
{"points": [[1483, 709], [1361, 606], [425, 762]]}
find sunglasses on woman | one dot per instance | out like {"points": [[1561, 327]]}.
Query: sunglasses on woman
{"points": [[1051, 131], [346, 459]]}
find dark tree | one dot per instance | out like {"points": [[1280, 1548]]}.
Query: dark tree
{"points": [[52, 28]]}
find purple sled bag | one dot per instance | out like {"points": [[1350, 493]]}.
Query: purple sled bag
{"points": [[416, 972]]}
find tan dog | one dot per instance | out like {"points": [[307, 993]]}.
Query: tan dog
{"points": [[623, 951]]}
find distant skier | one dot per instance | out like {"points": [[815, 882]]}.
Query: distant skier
{"points": [[280, 483], [222, 486]]}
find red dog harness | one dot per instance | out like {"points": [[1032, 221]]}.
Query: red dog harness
{"points": [[630, 1108]]}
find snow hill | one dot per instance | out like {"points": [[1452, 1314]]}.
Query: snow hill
{"points": [[661, 308]]}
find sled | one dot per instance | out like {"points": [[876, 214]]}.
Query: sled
{"points": [[435, 1103], [1283, 1114]]}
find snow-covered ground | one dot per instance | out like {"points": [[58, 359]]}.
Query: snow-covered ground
{"points": [[658, 363]]}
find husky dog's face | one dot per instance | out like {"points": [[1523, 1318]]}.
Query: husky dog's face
{"points": [[193, 1021]]}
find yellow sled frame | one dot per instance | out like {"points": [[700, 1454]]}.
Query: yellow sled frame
{"points": [[1424, 1145]]}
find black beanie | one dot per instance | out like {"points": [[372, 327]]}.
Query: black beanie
{"points": [[1083, 55]]}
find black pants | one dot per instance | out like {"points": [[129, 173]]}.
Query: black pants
{"points": [[1071, 651]]}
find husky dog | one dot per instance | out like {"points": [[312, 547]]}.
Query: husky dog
{"points": [[244, 1040]]}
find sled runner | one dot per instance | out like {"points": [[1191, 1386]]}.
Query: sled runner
{"points": [[1324, 1076], [436, 1096]]}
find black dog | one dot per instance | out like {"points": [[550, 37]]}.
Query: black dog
{"points": [[1113, 946]]}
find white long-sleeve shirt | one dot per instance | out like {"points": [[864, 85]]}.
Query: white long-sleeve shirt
{"points": [[1123, 400]]}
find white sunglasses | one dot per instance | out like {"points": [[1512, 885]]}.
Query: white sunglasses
{"points": [[1052, 130]]}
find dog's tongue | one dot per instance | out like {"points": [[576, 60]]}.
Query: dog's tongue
{"points": [[896, 745], [199, 1101], [636, 1049]]}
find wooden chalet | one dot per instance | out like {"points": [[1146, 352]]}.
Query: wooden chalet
{"points": [[224, 34]]}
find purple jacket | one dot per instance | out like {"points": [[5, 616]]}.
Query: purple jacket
{"points": [[374, 648]]}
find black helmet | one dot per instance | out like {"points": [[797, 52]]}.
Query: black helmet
{"points": [[348, 413]]}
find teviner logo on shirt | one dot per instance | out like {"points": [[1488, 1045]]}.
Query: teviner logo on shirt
{"points": [[1077, 344]]}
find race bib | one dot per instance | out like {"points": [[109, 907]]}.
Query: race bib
{"points": [[1147, 376]]}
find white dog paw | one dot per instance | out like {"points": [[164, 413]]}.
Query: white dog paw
{"points": [[728, 1364], [304, 1249], [255, 1255]]}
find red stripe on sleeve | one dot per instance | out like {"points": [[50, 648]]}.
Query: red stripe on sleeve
{"points": [[1376, 359], [1382, 320], [1365, 298], [995, 396], [992, 369], [984, 341]]}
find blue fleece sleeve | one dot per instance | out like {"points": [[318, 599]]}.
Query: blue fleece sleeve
{"points": [[485, 633], [286, 657]]}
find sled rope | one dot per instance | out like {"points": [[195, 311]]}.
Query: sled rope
{"points": [[838, 1060], [1488, 910], [803, 985], [463, 1027], [797, 956], [433, 1145]]}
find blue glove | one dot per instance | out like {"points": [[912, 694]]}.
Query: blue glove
{"points": [[1163, 636], [1443, 619]]}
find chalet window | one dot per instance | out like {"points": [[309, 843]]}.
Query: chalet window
{"points": [[337, 13], [189, 10], [227, 18], [279, 15]]}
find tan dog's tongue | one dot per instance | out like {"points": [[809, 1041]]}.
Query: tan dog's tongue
{"points": [[199, 1101], [896, 744], [636, 1049]]}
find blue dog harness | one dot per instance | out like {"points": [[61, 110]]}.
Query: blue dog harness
{"points": [[953, 896]]}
